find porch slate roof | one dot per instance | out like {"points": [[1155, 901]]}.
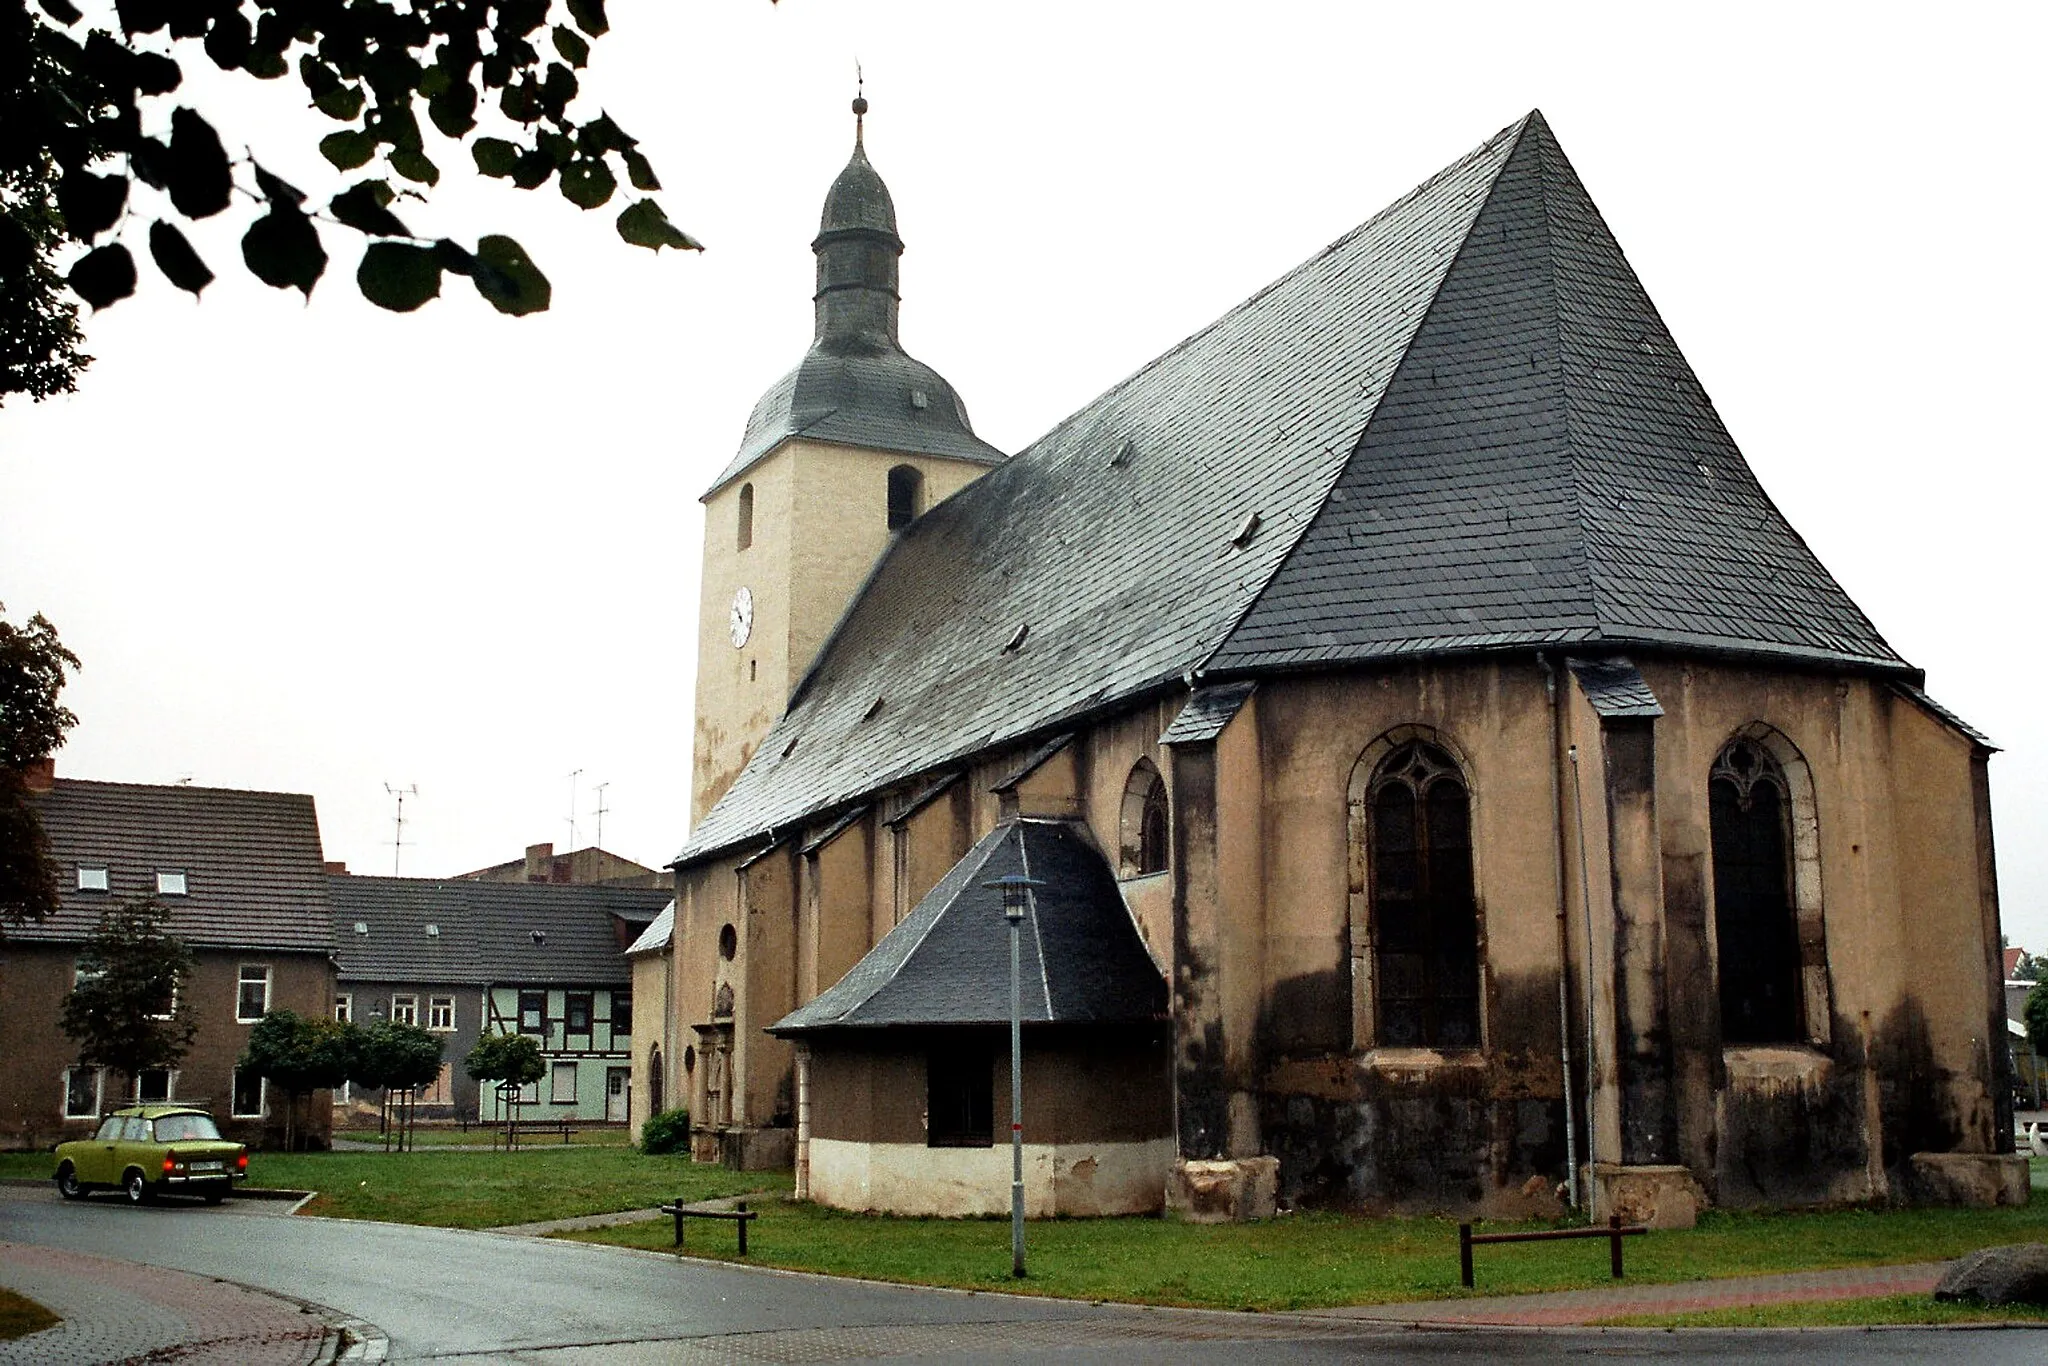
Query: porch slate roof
{"points": [[948, 963]]}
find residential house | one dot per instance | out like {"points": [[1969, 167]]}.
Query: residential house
{"points": [[1509, 797], [654, 1044], [464, 959], [240, 873], [590, 866]]}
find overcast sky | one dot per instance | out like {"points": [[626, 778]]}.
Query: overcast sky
{"points": [[324, 548]]}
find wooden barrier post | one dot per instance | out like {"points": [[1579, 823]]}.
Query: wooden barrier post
{"points": [[1465, 1254], [743, 1222]]}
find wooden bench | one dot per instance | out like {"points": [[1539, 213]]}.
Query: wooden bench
{"points": [[1614, 1232], [739, 1214]]}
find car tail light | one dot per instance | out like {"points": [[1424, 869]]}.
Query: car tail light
{"points": [[242, 1160], [170, 1162]]}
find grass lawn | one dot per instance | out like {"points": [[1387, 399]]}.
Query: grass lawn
{"points": [[20, 1316], [1317, 1260], [484, 1137], [478, 1190], [1887, 1309]]}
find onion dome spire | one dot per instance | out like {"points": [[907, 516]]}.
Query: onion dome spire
{"points": [[857, 247]]}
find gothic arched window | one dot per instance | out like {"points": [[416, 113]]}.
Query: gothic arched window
{"points": [[1756, 926], [1425, 917], [906, 496], [746, 527], [1144, 832]]}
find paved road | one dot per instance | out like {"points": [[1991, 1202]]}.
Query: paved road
{"points": [[475, 1297]]}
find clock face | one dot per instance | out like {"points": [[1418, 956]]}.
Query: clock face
{"points": [[742, 620]]}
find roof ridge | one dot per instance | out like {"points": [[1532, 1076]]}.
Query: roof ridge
{"points": [[1569, 456], [1518, 129], [1513, 130]]}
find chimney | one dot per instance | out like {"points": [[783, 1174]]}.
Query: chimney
{"points": [[540, 859], [41, 774], [335, 868]]}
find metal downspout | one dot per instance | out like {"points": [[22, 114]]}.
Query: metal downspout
{"points": [[1555, 696]]}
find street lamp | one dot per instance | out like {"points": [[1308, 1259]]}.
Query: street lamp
{"points": [[1016, 890]]}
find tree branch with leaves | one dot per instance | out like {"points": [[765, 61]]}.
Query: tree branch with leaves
{"points": [[34, 666], [129, 1009], [81, 108]]}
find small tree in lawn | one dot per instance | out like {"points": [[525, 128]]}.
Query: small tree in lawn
{"points": [[299, 1054], [512, 1060], [128, 1010], [396, 1059]]}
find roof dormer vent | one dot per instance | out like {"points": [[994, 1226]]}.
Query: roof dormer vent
{"points": [[433, 931], [1124, 451], [1245, 533], [539, 937], [362, 927], [1016, 641]]}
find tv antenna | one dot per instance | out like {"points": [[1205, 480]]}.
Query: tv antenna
{"points": [[601, 809], [572, 806], [398, 820]]}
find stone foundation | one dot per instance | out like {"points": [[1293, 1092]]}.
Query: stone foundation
{"points": [[1656, 1197], [1972, 1180], [746, 1150], [1230, 1191]]}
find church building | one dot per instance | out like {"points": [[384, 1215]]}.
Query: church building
{"points": [[1446, 781]]}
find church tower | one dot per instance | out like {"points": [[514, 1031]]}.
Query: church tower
{"points": [[840, 455]]}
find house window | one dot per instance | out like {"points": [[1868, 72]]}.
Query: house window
{"points": [[532, 1012], [746, 526], [960, 1096], [1144, 823], [405, 1010], [166, 1005], [252, 993], [441, 1014], [906, 496], [154, 1084], [249, 1094], [622, 1018], [345, 1007], [170, 883], [576, 1007], [1425, 918], [91, 879], [562, 1083], [82, 1091], [1756, 928]]}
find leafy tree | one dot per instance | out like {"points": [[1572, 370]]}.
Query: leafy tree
{"points": [[77, 162], [392, 1057], [2029, 968], [32, 725], [510, 1060], [129, 1010], [298, 1054], [2035, 1016]]}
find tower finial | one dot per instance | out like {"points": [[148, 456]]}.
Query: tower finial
{"points": [[860, 103]]}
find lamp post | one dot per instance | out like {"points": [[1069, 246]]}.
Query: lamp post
{"points": [[1016, 890]]}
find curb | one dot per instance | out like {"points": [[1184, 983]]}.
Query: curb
{"points": [[241, 1193]]}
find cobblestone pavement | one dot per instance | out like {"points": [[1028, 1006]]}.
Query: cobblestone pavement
{"points": [[123, 1312]]}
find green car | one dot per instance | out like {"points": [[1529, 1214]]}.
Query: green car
{"points": [[148, 1150]]}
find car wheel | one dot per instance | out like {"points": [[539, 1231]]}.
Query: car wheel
{"points": [[68, 1184], [214, 1197], [136, 1189]]}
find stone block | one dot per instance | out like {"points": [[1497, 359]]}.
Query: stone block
{"points": [[1233, 1190], [1972, 1180], [1999, 1275], [1655, 1197]]}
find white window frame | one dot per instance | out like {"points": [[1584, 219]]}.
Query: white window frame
{"points": [[94, 877], [556, 1071], [173, 882], [441, 1014], [529, 1094], [172, 1013], [262, 1097], [99, 1092], [243, 979], [410, 1009], [170, 1086], [345, 1007]]}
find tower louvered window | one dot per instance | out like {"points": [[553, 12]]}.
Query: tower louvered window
{"points": [[1425, 917]]}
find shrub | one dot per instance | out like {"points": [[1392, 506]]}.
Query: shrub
{"points": [[667, 1132]]}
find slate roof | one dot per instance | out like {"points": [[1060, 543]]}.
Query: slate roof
{"points": [[1081, 961], [1462, 426], [251, 859], [657, 934], [486, 930], [1207, 712]]}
